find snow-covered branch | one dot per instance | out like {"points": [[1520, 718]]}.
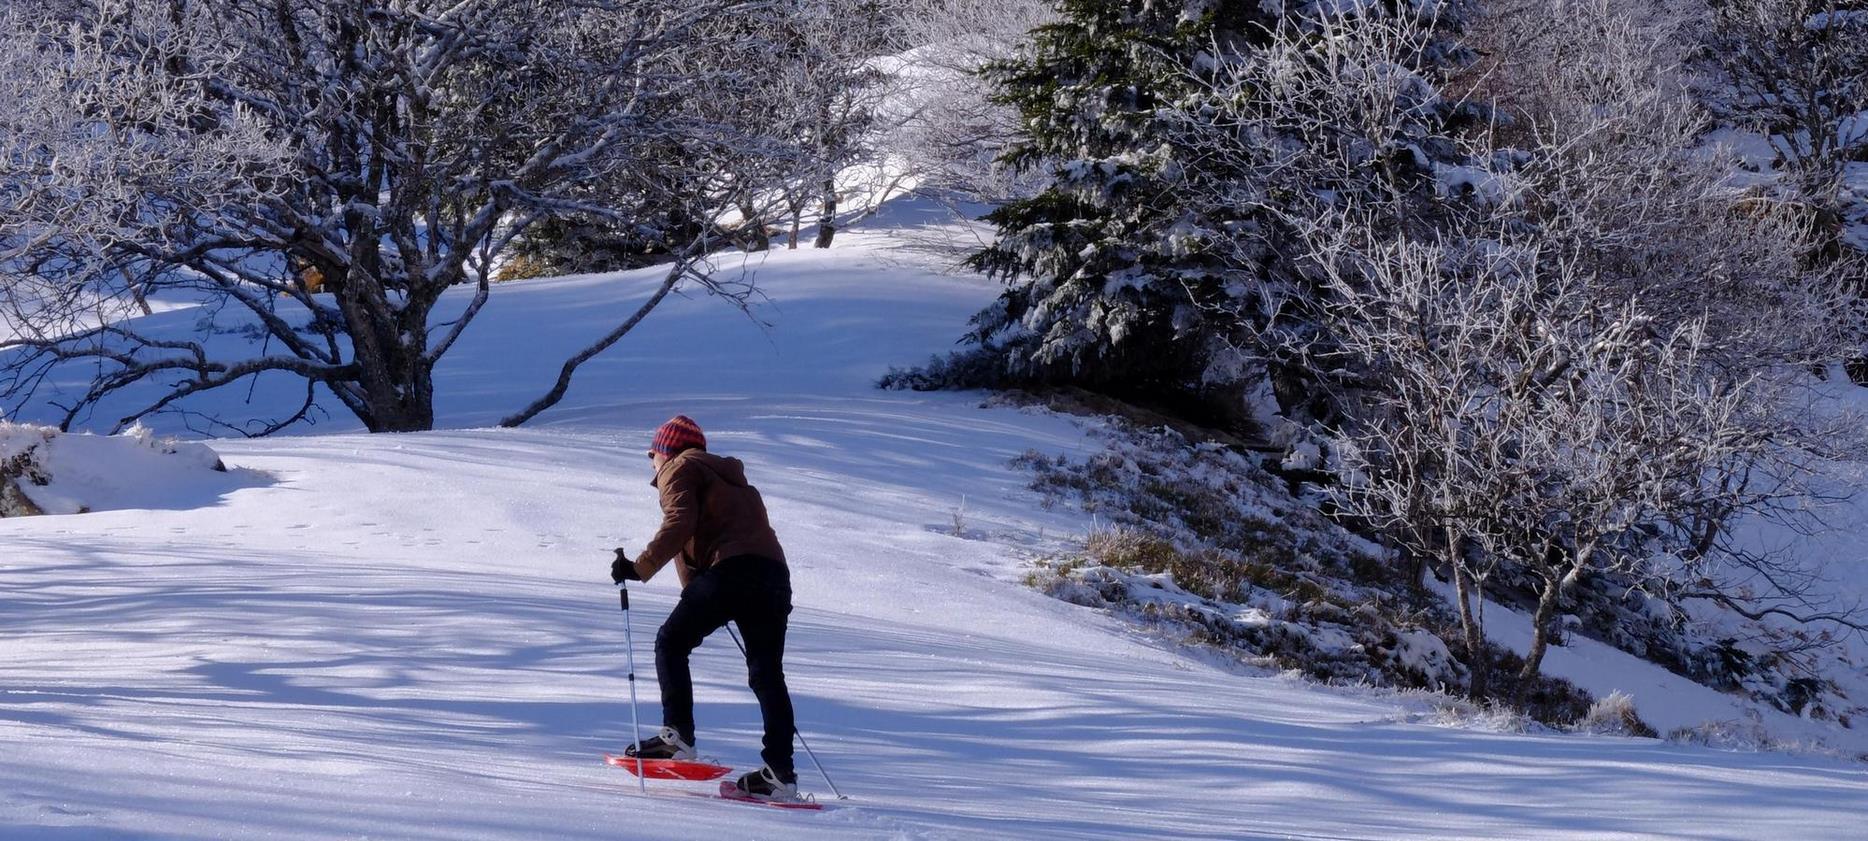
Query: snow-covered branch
{"points": [[331, 169]]}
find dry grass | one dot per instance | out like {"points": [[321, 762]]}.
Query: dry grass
{"points": [[1615, 715]]}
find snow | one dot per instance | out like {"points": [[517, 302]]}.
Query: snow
{"points": [[1424, 652], [84, 314], [1836, 19], [1483, 184], [103, 473], [1758, 156], [413, 636], [1852, 131], [1854, 190], [1664, 700], [1304, 455]]}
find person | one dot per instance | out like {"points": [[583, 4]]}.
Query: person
{"points": [[731, 568]]}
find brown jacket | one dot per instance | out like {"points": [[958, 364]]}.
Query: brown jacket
{"points": [[709, 514]]}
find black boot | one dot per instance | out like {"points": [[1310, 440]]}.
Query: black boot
{"points": [[666, 745], [765, 784]]}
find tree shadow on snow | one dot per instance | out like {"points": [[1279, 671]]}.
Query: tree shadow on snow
{"points": [[968, 730]]}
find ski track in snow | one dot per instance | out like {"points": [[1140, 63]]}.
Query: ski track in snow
{"points": [[414, 637]]}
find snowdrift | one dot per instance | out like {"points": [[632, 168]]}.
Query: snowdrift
{"points": [[44, 471]]}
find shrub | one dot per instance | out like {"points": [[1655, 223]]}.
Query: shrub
{"points": [[965, 369], [1614, 715]]}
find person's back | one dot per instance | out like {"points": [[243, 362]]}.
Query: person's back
{"points": [[709, 513]]}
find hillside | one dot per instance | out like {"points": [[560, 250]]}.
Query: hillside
{"points": [[413, 636]]}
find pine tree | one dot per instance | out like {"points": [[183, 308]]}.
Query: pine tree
{"points": [[1095, 278], [1125, 276]]}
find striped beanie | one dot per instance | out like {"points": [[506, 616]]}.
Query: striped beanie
{"points": [[679, 433]]}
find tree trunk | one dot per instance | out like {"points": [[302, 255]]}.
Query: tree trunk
{"points": [[1477, 660], [761, 238], [398, 390], [1547, 601], [1540, 629], [388, 343], [136, 291], [412, 410], [797, 221], [827, 225], [1414, 566]]}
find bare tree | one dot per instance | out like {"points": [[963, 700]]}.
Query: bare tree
{"points": [[816, 87], [1614, 154], [206, 146], [942, 128], [833, 79], [1525, 416], [1431, 462], [1795, 72]]}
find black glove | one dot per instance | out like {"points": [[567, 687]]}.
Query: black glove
{"points": [[623, 569]]}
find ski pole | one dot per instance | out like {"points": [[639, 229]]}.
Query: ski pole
{"points": [[635, 721], [795, 731]]}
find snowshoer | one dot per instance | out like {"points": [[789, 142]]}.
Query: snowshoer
{"points": [[731, 568]]}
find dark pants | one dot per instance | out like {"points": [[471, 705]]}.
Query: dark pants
{"points": [[754, 592]]}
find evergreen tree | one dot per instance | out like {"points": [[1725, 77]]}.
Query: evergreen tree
{"points": [[1139, 271]]}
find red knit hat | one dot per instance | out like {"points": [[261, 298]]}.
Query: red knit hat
{"points": [[679, 433]]}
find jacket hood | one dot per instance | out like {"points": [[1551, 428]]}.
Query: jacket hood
{"points": [[730, 469]]}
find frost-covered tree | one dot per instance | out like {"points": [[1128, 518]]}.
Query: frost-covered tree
{"points": [[1796, 73], [798, 85], [226, 149], [942, 132], [1579, 371], [828, 92], [1529, 424], [1180, 140]]}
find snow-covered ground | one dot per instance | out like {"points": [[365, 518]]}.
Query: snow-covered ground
{"points": [[414, 636]]}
